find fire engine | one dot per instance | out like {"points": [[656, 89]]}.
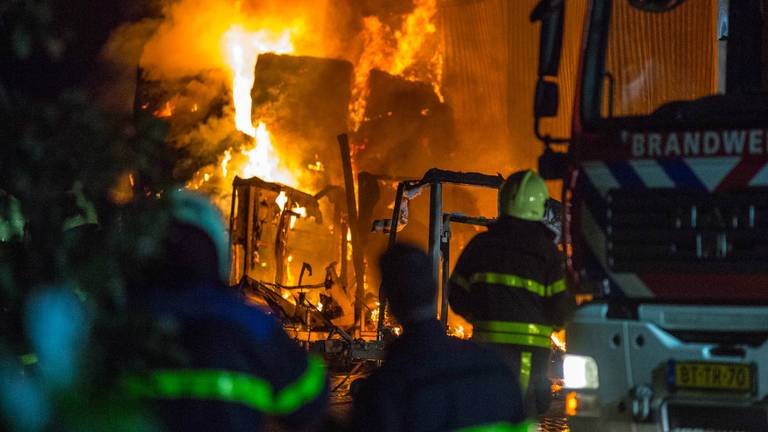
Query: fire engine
{"points": [[665, 191]]}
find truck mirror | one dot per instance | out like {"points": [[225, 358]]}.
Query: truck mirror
{"points": [[550, 13], [552, 165], [546, 99]]}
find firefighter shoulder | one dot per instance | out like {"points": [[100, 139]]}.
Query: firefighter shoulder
{"points": [[238, 364], [508, 281]]}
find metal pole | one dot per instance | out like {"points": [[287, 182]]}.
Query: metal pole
{"points": [[233, 279], [392, 241], [247, 258], [445, 249], [357, 254], [343, 272], [435, 231]]}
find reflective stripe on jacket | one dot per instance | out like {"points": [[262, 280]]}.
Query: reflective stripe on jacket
{"points": [[526, 426], [229, 386], [508, 282], [516, 333]]}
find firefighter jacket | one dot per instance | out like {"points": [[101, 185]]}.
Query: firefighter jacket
{"points": [[508, 282], [239, 366], [434, 382]]}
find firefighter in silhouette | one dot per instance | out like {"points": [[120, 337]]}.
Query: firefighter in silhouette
{"points": [[431, 381], [236, 364], [508, 282]]}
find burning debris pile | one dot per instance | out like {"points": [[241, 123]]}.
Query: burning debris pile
{"points": [[255, 94], [290, 76]]}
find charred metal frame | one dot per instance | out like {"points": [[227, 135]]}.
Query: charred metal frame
{"points": [[439, 227], [246, 189]]}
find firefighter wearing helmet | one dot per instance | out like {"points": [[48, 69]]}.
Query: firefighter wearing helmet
{"points": [[509, 284], [235, 365]]}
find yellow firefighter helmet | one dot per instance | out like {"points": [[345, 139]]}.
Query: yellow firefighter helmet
{"points": [[523, 196]]}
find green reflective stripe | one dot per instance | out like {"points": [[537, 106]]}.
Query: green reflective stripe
{"points": [[230, 386], [461, 282], [525, 370], [510, 281], [513, 327], [512, 339], [525, 426], [303, 390], [556, 288], [28, 359], [514, 281]]}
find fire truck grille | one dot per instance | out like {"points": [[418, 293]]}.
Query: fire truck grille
{"points": [[670, 230]]}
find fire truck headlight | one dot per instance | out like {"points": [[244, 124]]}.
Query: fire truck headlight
{"points": [[580, 372]]}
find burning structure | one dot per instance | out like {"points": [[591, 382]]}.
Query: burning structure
{"points": [[256, 92], [257, 110]]}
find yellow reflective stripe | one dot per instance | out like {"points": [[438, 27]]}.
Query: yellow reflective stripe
{"points": [[514, 281], [525, 370], [525, 426], [229, 386], [556, 288], [511, 339], [513, 327], [509, 280], [461, 282]]}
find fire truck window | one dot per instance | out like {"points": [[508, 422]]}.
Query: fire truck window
{"points": [[657, 58]]}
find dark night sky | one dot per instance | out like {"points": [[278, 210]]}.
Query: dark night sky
{"points": [[84, 26]]}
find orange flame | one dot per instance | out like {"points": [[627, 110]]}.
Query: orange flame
{"points": [[412, 40], [242, 49], [166, 110]]}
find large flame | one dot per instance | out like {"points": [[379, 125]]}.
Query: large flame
{"points": [[242, 50], [409, 51], [411, 45]]}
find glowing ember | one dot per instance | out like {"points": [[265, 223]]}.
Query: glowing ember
{"points": [[320, 306], [375, 313], [317, 166], [458, 332], [558, 339], [166, 110]]}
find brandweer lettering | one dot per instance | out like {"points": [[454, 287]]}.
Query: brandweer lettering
{"points": [[697, 143]]}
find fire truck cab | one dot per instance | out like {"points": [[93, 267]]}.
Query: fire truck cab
{"points": [[665, 190]]}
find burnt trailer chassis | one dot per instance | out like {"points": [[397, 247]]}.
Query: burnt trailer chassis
{"points": [[338, 341], [439, 243], [256, 226]]}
